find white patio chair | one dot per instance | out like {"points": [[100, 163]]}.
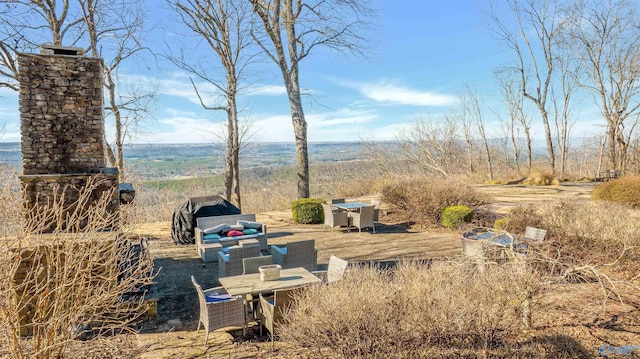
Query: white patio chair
{"points": [[534, 235], [335, 270]]}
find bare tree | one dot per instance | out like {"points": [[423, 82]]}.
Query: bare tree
{"points": [[605, 35], [464, 117], [110, 29], [25, 24], [562, 101], [534, 43], [224, 26], [513, 100], [432, 147], [113, 29], [470, 105], [291, 30]]}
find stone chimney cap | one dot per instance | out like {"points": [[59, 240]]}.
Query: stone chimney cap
{"points": [[61, 50]]}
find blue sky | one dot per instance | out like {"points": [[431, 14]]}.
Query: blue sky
{"points": [[422, 54]]}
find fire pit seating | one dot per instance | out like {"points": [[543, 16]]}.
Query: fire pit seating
{"points": [[217, 232]]}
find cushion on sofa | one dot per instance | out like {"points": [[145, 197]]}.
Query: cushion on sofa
{"points": [[250, 231], [217, 229], [234, 233], [234, 227], [250, 224], [211, 237]]}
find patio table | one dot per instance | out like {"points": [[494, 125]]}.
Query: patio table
{"points": [[251, 283], [350, 206]]}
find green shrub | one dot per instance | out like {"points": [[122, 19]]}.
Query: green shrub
{"points": [[422, 200], [308, 210], [625, 190], [501, 224], [455, 216]]}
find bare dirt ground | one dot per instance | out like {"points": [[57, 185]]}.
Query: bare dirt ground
{"points": [[173, 333]]}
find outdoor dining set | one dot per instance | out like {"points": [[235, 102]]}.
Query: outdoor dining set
{"points": [[351, 214], [261, 285], [484, 246]]}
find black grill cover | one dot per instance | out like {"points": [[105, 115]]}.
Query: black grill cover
{"points": [[183, 221]]}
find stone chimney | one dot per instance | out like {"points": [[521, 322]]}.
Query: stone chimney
{"points": [[62, 125]]}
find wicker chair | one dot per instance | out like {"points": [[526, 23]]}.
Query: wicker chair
{"points": [[231, 264], [363, 219], [215, 315], [272, 307], [251, 264], [296, 254], [335, 270], [334, 218]]}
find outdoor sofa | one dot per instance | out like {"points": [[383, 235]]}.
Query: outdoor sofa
{"points": [[212, 234]]}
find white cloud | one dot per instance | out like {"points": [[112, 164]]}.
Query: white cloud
{"points": [[268, 90], [339, 125], [181, 128], [387, 92]]}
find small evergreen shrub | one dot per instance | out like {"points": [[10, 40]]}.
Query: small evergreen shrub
{"points": [[307, 210], [625, 190], [455, 216], [501, 224]]}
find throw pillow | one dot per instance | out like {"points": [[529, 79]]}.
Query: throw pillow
{"points": [[211, 237], [217, 229], [250, 231], [234, 233], [250, 224], [235, 227]]}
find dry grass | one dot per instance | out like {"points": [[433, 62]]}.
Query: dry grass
{"points": [[68, 281], [414, 311], [541, 177], [422, 200]]}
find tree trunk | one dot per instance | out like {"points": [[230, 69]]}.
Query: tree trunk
{"points": [[232, 161], [299, 130], [548, 138]]}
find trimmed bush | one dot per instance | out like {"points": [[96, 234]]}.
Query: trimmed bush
{"points": [[455, 216], [501, 224], [307, 210], [625, 190]]}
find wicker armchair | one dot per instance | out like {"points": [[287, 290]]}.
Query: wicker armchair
{"points": [[335, 270], [231, 263], [214, 315], [271, 309], [334, 218], [364, 218], [251, 264], [296, 254]]}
